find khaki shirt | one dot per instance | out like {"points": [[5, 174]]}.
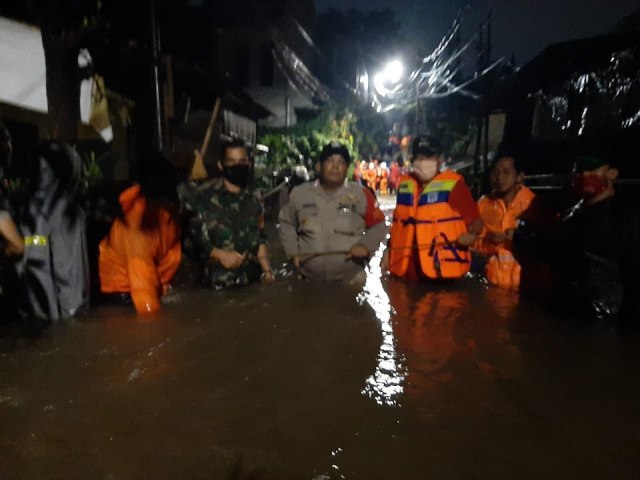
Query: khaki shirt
{"points": [[321, 227]]}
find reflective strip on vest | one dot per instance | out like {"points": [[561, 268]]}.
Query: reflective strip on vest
{"points": [[405, 194], [36, 240], [436, 191], [437, 185]]}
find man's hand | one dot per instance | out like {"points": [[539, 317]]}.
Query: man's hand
{"points": [[466, 239], [228, 259], [496, 237], [268, 277], [359, 252], [295, 260]]}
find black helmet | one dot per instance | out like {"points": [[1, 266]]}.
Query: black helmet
{"points": [[334, 148], [427, 146]]}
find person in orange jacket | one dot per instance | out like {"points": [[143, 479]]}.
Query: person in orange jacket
{"points": [[435, 220], [142, 251], [370, 176], [501, 211]]}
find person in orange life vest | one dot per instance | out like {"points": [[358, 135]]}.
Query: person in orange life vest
{"points": [[394, 174], [500, 211], [357, 173], [383, 174], [371, 176], [435, 219], [142, 251]]}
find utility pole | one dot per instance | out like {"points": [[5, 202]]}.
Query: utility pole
{"points": [[483, 50], [156, 65], [418, 126]]}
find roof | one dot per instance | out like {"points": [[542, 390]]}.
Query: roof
{"points": [[561, 60], [203, 89]]}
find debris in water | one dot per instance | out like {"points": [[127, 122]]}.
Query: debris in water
{"points": [[135, 373]]}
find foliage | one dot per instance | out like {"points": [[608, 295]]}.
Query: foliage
{"points": [[302, 144], [91, 173]]}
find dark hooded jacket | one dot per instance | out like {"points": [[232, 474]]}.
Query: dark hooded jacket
{"points": [[54, 271]]}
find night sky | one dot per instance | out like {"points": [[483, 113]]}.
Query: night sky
{"points": [[522, 27]]}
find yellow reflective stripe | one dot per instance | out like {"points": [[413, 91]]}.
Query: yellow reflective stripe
{"points": [[439, 186], [406, 187], [36, 240]]}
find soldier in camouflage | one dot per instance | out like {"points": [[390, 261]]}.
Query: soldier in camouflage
{"points": [[226, 230]]}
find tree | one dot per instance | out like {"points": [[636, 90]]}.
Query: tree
{"points": [[303, 142]]}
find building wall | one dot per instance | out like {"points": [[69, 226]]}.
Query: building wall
{"points": [[243, 54]]}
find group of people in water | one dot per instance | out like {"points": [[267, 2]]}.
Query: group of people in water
{"points": [[378, 176], [329, 229]]}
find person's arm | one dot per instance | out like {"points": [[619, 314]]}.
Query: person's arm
{"points": [[376, 229], [9, 232], [462, 201], [171, 255], [288, 230], [265, 264]]}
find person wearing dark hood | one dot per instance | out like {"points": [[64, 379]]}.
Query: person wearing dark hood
{"points": [[226, 229], [597, 248], [54, 270]]}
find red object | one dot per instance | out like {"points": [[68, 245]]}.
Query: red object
{"points": [[588, 185], [462, 201], [373, 215]]}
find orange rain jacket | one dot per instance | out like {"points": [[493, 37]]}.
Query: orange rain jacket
{"points": [[424, 220], [141, 253], [502, 268]]}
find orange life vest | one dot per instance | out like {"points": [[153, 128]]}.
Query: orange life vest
{"points": [[425, 223], [502, 268]]}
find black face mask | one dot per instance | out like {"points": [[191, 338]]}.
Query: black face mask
{"points": [[236, 174]]}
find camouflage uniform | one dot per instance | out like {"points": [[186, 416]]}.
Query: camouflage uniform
{"points": [[224, 220]]}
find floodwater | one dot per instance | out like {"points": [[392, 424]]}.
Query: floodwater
{"points": [[297, 380]]}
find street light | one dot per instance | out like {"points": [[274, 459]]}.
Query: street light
{"points": [[393, 71], [390, 76]]}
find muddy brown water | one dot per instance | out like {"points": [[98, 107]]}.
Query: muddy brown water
{"points": [[297, 380]]}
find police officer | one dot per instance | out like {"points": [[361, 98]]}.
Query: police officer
{"points": [[330, 226]]}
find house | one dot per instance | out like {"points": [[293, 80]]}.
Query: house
{"points": [[575, 98], [266, 50]]}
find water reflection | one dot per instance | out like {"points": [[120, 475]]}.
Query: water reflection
{"points": [[385, 385], [424, 331]]}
